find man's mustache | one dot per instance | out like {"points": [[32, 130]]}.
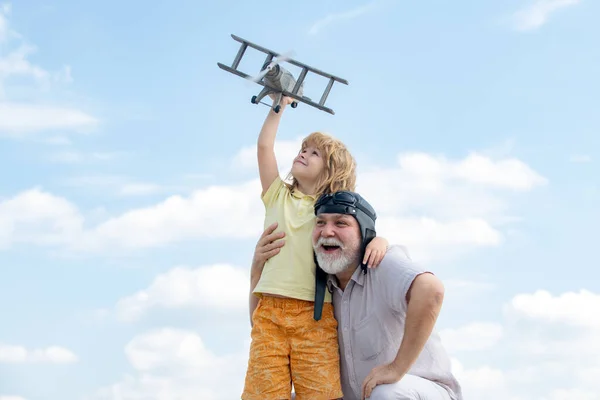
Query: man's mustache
{"points": [[329, 242]]}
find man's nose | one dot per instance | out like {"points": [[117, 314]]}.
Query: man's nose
{"points": [[327, 231]]}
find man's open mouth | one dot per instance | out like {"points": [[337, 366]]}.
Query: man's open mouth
{"points": [[330, 247]]}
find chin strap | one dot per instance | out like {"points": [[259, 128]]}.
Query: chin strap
{"points": [[369, 235], [320, 288]]}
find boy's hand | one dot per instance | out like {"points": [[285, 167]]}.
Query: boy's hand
{"points": [[285, 100], [375, 252]]}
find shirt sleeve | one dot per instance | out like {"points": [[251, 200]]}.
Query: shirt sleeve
{"points": [[396, 273], [274, 191]]}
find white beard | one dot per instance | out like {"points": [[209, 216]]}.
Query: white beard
{"points": [[338, 262]]}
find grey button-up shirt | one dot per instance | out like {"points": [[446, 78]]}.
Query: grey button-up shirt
{"points": [[371, 312]]}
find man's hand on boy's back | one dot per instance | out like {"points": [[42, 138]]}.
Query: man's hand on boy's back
{"points": [[268, 245]]}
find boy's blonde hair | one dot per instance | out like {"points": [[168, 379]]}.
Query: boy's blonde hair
{"points": [[339, 171]]}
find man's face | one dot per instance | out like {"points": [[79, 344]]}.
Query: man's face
{"points": [[336, 241]]}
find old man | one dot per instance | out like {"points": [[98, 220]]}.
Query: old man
{"points": [[386, 315]]}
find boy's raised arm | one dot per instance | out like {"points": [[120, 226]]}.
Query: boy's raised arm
{"points": [[265, 148]]}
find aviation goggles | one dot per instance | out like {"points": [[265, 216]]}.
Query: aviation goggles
{"points": [[342, 202]]}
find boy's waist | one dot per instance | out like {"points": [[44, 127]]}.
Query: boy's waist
{"points": [[300, 291]]}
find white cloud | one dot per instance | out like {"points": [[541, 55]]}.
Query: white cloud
{"points": [[285, 151], [139, 189], [580, 158], [37, 217], [232, 212], [176, 364], [16, 64], [538, 13], [10, 397], [336, 17], [497, 361], [467, 286], [545, 348], [434, 205], [26, 118], [183, 287], [77, 157], [52, 355], [4, 26], [482, 382], [17, 119], [509, 173], [475, 336], [58, 140], [457, 198], [461, 293], [117, 185], [425, 237], [569, 308], [431, 204], [570, 394]]}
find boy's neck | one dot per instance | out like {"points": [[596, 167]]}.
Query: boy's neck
{"points": [[307, 189]]}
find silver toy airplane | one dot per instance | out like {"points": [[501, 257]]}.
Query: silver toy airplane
{"points": [[276, 79]]}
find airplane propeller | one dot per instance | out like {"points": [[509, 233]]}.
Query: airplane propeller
{"points": [[277, 60]]}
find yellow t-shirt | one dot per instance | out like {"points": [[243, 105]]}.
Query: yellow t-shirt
{"points": [[290, 273]]}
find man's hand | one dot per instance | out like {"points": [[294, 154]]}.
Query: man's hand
{"points": [[380, 375], [268, 245]]}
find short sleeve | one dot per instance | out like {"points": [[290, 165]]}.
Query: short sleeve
{"points": [[276, 189], [395, 275]]}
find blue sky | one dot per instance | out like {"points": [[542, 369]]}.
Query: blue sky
{"points": [[129, 206]]}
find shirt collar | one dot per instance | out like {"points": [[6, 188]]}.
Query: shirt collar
{"points": [[299, 195], [358, 277]]}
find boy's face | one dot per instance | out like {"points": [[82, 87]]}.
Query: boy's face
{"points": [[308, 165]]}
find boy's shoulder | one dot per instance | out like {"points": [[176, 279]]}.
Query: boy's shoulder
{"points": [[275, 191]]}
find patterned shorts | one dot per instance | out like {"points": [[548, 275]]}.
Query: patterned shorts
{"points": [[289, 346]]}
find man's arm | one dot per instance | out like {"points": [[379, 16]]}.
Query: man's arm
{"points": [[267, 246], [425, 298], [257, 265]]}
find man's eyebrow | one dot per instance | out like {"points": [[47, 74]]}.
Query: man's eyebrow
{"points": [[336, 217]]}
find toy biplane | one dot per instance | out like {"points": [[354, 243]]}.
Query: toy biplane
{"points": [[279, 81]]}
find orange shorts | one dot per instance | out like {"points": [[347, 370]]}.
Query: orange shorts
{"points": [[289, 346]]}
